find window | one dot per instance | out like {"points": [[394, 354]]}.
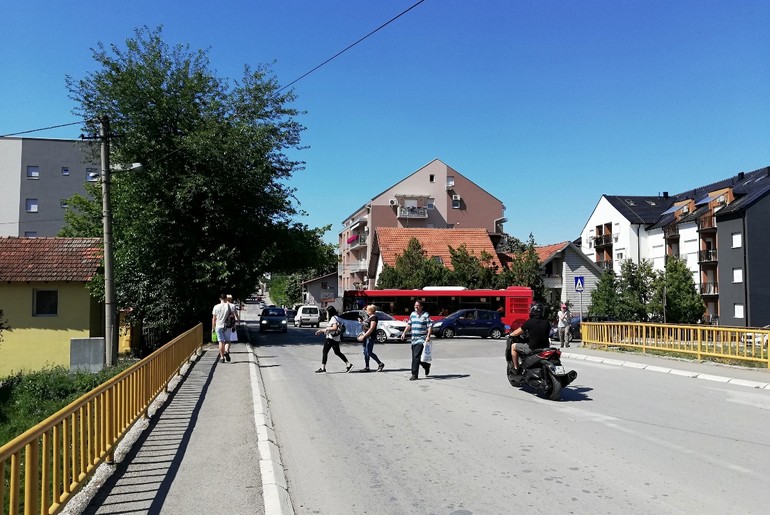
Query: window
{"points": [[450, 181], [737, 240], [619, 256], [737, 310], [92, 174], [33, 172], [737, 275], [455, 204], [31, 205], [45, 303], [63, 203], [30, 234], [431, 206], [65, 171], [432, 178]]}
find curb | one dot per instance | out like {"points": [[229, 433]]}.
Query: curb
{"points": [[672, 371], [274, 486]]}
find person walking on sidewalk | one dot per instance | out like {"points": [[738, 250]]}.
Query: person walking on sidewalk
{"points": [[232, 333], [419, 325], [369, 329], [563, 325], [333, 339], [218, 319]]}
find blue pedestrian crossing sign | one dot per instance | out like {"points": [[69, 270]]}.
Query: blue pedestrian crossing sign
{"points": [[579, 283]]}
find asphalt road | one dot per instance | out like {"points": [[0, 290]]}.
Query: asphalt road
{"points": [[622, 440]]}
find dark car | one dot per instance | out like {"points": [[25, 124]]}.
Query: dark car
{"points": [[291, 313], [471, 322], [574, 330], [273, 318]]}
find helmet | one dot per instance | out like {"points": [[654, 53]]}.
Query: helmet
{"points": [[536, 310]]}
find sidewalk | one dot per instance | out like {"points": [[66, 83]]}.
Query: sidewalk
{"points": [[198, 453]]}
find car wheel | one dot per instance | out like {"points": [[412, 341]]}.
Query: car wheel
{"points": [[448, 333], [495, 333], [380, 336]]}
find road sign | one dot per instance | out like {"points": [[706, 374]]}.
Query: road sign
{"points": [[579, 283]]}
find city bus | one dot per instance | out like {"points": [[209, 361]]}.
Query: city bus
{"points": [[439, 301]]}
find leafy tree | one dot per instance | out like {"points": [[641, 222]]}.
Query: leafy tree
{"points": [[683, 304], [413, 270], [3, 324], [635, 290], [525, 270], [471, 271], [511, 244], [211, 210], [605, 297]]}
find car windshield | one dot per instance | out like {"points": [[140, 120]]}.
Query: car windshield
{"points": [[273, 312], [381, 315]]}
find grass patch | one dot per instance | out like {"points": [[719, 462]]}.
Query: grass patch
{"points": [[29, 398]]}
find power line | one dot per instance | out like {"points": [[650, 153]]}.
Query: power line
{"points": [[351, 45], [41, 129]]}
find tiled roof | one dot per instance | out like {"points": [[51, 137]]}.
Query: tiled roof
{"points": [[546, 252], [49, 259], [394, 240]]}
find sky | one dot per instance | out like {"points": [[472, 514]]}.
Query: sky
{"points": [[545, 104]]}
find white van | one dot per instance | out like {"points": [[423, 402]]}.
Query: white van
{"points": [[307, 315]]}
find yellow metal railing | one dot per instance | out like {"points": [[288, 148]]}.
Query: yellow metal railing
{"points": [[700, 341], [54, 459]]}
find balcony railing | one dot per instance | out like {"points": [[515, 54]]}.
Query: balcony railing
{"points": [[602, 240], [709, 288], [605, 264], [711, 319], [358, 266], [360, 241], [707, 222], [671, 231], [707, 256], [412, 212]]}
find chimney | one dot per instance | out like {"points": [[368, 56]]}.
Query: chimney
{"points": [[665, 194], [740, 176]]}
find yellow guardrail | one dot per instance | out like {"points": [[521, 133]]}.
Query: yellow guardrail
{"points": [[54, 459], [699, 341]]}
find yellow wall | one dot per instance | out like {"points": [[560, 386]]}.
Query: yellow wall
{"points": [[35, 341]]}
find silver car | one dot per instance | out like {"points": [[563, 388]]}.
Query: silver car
{"points": [[388, 328]]}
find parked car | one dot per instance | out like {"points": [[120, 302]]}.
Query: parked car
{"points": [[574, 330], [291, 313], [273, 318], [471, 322], [388, 328], [307, 315]]}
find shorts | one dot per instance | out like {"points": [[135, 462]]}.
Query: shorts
{"points": [[522, 347], [221, 337]]}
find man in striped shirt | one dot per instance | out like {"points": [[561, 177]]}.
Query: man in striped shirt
{"points": [[419, 325]]}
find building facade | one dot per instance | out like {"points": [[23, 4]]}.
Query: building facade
{"points": [[38, 176], [433, 197]]}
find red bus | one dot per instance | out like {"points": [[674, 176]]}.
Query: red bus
{"points": [[440, 301]]}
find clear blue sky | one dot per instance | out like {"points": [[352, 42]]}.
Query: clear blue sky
{"points": [[545, 104]]}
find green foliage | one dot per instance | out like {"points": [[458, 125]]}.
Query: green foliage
{"points": [[413, 270], [285, 289], [683, 304], [525, 270], [210, 211], [3, 324], [472, 271], [635, 290], [27, 399], [604, 297], [511, 244]]}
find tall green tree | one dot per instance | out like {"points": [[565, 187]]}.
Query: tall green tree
{"points": [[471, 271], [604, 298], [525, 269], [635, 291], [211, 210], [683, 304], [413, 270]]}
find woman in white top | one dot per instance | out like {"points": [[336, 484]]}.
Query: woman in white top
{"points": [[332, 342]]}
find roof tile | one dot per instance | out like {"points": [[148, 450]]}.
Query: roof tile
{"points": [[49, 259], [394, 240]]}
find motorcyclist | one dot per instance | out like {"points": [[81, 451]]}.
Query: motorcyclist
{"points": [[538, 329]]}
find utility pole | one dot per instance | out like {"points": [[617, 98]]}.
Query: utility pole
{"points": [[110, 333]]}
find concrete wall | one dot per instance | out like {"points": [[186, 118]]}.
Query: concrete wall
{"points": [[730, 292], [10, 178], [36, 341], [757, 243]]}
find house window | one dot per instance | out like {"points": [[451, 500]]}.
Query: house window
{"points": [[30, 234], [33, 172], [737, 275], [431, 206], [737, 310], [455, 204], [619, 256], [63, 203], [65, 171], [324, 285], [31, 205], [92, 175], [45, 303], [432, 178], [450, 181], [737, 240]]}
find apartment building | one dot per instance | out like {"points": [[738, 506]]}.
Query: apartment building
{"points": [[719, 230], [434, 197], [38, 176]]}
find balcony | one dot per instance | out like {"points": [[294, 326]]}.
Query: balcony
{"points": [[602, 240], [357, 241], [711, 319], [357, 266], [605, 264], [707, 256], [709, 288], [707, 223], [412, 212], [671, 231]]}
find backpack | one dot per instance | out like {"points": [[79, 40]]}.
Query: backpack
{"points": [[340, 331], [230, 319]]}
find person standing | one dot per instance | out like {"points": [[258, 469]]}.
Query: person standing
{"points": [[332, 341], [419, 325], [218, 318], [369, 329], [232, 333], [563, 325]]}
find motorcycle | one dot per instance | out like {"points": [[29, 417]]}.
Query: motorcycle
{"points": [[540, 369]]}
